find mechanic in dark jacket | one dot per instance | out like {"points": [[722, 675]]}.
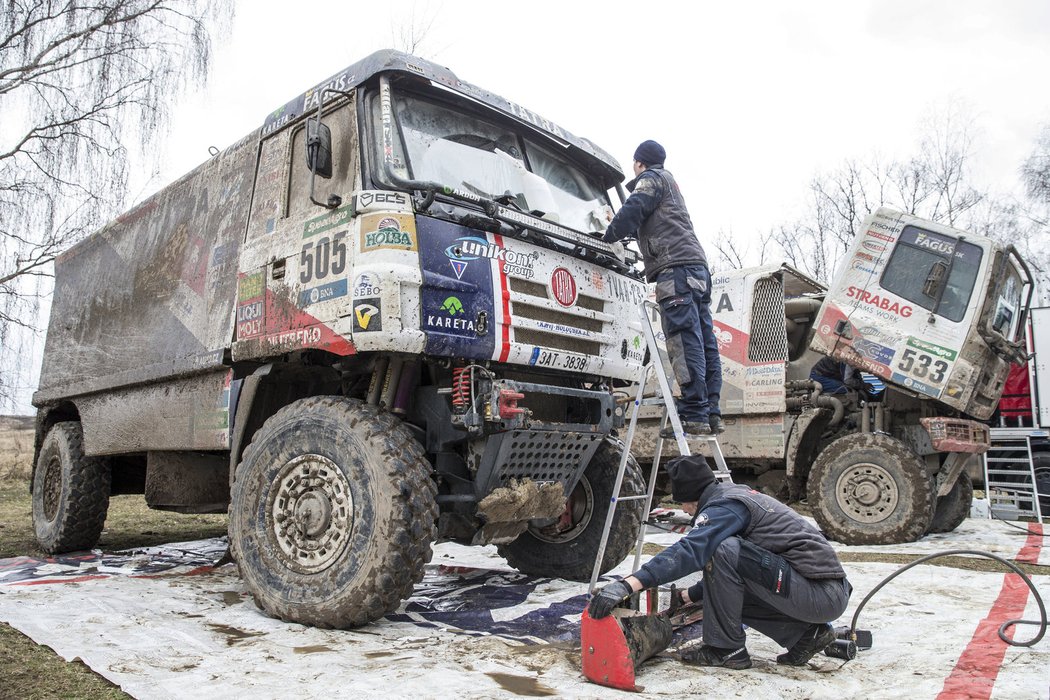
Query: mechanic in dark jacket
{"points": [[764, 566], [656, 215]]}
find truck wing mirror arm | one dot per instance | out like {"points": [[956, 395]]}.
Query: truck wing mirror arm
{"points": [[319, 151]]}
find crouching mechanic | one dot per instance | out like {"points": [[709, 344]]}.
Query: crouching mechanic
{"points": [[764, 566]]}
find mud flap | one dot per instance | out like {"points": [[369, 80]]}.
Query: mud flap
{"points": [[615, 646]]}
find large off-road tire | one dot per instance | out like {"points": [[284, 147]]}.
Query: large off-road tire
{"points": [[570, 552], [953, 508], [70, 492], [332, 513], [870, 489]]}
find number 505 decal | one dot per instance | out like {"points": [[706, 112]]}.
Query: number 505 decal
{"points": [[920, 365], [316, 260]]}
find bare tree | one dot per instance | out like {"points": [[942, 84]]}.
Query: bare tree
{"points": [[734, 254], [935, 183], [410, 34], [83, 83], [1035, 172]]}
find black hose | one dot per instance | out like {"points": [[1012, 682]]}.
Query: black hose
{"points": [[1002, 628]]}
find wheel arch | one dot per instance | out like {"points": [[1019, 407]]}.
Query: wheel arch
{"points": [[267, 390], [46, 417]]}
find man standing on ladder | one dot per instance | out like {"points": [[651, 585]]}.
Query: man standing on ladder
{"points": [[656, 215], [764, 566]]}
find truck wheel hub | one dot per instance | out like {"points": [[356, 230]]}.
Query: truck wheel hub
{"points": [[310, 513], [579, 509], [867, 493]]}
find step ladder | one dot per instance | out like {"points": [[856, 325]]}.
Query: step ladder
{"points": [[659, 364], [1009, 475]]}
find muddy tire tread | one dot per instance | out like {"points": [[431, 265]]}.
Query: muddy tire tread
{"points": [[413, 525], [837, 525], [953, 508], [84, 497]]}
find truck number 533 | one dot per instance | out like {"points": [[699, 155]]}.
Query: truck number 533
{"points": [[922, 366]]}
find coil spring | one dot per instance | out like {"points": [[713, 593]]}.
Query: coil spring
{"points": [[461, 387]]}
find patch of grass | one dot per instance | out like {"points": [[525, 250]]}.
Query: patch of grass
{"points": [[32, 671]]}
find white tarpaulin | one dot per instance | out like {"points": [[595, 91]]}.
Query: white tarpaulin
{"points": [[163, 623]]}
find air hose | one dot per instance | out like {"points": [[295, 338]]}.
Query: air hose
{"points": [[1002, 628]]}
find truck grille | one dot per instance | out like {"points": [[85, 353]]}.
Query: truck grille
{"points": [[530, 301], [768, 330]]}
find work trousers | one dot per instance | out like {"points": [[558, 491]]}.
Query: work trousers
{"points": [[742, 588], [684, 295]]}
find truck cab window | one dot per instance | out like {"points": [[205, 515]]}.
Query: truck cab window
{"points": [[1008, 304], [440, 144], [915, 271]]}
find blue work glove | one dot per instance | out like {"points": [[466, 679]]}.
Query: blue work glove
{"points": [[608, 598]]}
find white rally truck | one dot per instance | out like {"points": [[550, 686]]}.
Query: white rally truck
{"points": [[384, 318], [934, 313]]}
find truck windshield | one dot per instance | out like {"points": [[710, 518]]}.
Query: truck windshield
{"points": [[919, 263], [456, 149]]}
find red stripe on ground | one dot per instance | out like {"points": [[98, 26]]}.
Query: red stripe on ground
{"points": [[975, 673], [74, 579]]}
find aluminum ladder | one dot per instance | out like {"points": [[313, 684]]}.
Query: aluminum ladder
{"points": [[660, 364], [1009, 475]]}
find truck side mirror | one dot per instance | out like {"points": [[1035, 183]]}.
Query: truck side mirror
{"points": [[318, 148], [935, 279]]}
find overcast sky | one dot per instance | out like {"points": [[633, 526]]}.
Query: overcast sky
{"points": [[751, 99]]}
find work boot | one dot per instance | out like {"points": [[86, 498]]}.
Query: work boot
{"points": [[696, 429], [704, 655], [816, 638], [717, 426]]}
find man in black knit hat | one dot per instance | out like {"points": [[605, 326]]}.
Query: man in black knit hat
{"points": [[764, 566], [656, 215]]}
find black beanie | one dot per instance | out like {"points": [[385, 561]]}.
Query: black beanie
{"points": [[650, 153], [689, 477]]}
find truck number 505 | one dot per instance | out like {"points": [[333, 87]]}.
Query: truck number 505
{"points": [[316, 260], [920, 364]]}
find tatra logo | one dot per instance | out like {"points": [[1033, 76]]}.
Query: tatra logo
{"points": [[563, 286], [364, 314]]}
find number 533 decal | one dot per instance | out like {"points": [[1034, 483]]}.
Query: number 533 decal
{"points": [[923, 366]]}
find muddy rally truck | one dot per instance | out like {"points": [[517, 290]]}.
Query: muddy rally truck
{"points": [[384, 318], [935, 315]]}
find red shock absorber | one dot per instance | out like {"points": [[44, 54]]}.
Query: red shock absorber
{"points": [[460, 389]]}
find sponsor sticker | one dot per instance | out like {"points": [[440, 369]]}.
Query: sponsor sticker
{"points": [[330, 220], [367, 284], [250, 286], [874, 247], [322, 293], [873, 351], [368, 315], [467, 249], [451, 317], [938, 351], [394, 232], [915, 385]]}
